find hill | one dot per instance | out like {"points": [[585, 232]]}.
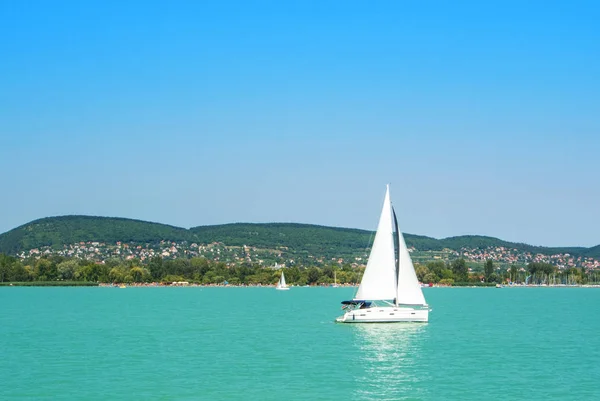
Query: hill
{"points": [[323, 240], [320, 241], [593, 252], [62, 230], [482, 242]]}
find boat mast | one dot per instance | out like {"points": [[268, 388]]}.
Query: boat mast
{"points": [[396, 252]]}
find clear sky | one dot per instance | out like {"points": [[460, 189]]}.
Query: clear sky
{"points": [[483, 116]]}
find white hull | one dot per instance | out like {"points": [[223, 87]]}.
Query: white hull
{"points": [[386, 314], [282, 288]]}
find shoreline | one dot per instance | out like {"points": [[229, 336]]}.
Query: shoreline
{"points": [[187, 284]]}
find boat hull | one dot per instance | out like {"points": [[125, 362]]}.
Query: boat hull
{"points": [[385, 314], [282, 288]]}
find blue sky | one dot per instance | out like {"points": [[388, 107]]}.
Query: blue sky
{"points": [[484, 117]]}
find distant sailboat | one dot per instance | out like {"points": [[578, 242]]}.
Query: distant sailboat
{"points": [[281, 285], [335, 284], [389, 290]]}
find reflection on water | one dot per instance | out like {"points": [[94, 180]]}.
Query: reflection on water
{"points": [[388, 356]]}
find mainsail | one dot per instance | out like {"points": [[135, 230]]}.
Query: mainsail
{"points": [[282, 280], [379, 280]]}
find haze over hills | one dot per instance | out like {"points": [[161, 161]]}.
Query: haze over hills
{"points": [[58, 231]]}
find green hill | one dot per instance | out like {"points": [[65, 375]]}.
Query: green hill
{"points": [[593, 252], [482, 242], [327, 242], [320, 241], [58, 231]]}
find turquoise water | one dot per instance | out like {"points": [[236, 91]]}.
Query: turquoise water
{"points": [[262, 344]]}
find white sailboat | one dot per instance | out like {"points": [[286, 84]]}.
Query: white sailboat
{"points": [[389, 290], [335, 284], [281, 285]]}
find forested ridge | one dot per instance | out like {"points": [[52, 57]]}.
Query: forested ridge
{"points": [[313, 239], [317, 251]]}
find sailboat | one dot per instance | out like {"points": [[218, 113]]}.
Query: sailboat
{"points": [[335, 284], [281, 285], [389, 290]]}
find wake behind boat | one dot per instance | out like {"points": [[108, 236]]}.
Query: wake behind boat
{"points": [[389, 290], [281, 285]]}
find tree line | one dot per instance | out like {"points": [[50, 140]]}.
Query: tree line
{"points": [[204, 271], [457, 272], [195, 270]]}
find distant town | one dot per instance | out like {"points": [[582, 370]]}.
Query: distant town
{"points": [[281, 257]]}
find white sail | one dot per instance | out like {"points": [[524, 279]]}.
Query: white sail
{"points": [[379, 280], [409, 290], [282, 280]]}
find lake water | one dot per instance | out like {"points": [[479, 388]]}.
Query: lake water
{"points": [[262, 344]]}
